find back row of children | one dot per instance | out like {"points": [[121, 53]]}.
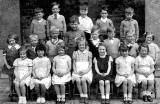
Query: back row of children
{"points": [[100, 49]]}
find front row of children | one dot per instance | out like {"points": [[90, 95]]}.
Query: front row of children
{"points": [[41, 78]]}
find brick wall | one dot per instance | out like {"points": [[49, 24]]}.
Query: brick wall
{"points": [[9, 19]]}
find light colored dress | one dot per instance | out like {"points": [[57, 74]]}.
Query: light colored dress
{"points": [[61, 63], [82, 64], [125, 68], [144, 65], [23, 69], [40, 67]]}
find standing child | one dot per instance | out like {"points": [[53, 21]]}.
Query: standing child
{"points": [[52, 44], [129, 24], [61, 69], [56, 20], [41, 73], [144, 66], [22, 71], [154, 50], [125, 74], [112, 45], [86, 23], [72, 36], [103, 23], [10, 53], [31, 48], [103, 68], [82, 69], [38, 25]]}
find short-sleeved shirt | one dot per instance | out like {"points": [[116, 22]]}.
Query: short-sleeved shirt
{"points": [[144, 63], [125, 64], [61, 63]]}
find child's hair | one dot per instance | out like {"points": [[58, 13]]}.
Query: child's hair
{"points": [[53, 29], [82, 40], [61, 46], [38, 10], [74, 19], [41, 47], [110, 29], [95, 28], [101, 44], [55, 3], [129, 10], [23, 48], [104, 7], [149, 33], [123, 48], [13, 36], [143, 45], [33, 37], [84, 6]]}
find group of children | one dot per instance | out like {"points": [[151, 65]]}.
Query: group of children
{"points": [[84, 54]]}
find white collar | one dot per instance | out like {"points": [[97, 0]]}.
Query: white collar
{"points": [[17, 46], [104, 19], [95, 42], [85, 51], [40, 20]]}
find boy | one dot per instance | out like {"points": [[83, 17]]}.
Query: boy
{"points": [[56, 20], [103, 23], [85, 22], [38, 25], [129, 24]]}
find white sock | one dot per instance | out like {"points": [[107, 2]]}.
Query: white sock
{"points": [[130, 96], [63, 96], [144, 93], [86, 95], [59, 97], [125, 95], [148, 93], [103, 96], [107, 96], [81, 95]]}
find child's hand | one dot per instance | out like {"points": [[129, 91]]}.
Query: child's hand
{"points": [[126, 75], [9, 67], [80, 73]]}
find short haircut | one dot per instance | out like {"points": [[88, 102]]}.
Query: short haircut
{"points": [[13, 36], [38, 10], [143, 45], [55, 3], [149, 33], [123, 48], [23, 48], [129, 10], [104, 7], [84, 6], [101, 44], [41, 47], [110, 29], [74, 19]]}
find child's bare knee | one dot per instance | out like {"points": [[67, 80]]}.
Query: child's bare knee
{"points": [[101, 83]]}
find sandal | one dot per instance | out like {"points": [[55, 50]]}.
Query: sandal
{"points": [[63, 101], [58, 101], [125, 101], [130, 101]]}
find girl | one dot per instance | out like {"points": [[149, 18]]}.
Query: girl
{"points": [[82, 69], [22, 71], [41, 73], [9, 55], [72, 35], [61, 69], [154, 50], [125, 74], [144, 66], [103, 68]]}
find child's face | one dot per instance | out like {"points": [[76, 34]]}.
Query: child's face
{"points": [[74, 26], [148, 39], [39, 15], [83, 11], [54, 35], [61, 51], [104, 13], [23, 54], [124, 53], [102, 50], [12, 41], [130, 38], [110, 34], [34, 42], [129, 15], [55, 9], [81, 46], [40, 53], [143, 51], [95, 35]]}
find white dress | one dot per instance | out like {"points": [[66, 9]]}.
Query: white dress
{"points": [[61, 63], [82, 64], [40, 67], [23, 69], [144, 66], [125, 68]]}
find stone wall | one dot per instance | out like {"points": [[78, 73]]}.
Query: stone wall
{"points": [[9, 19]]}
